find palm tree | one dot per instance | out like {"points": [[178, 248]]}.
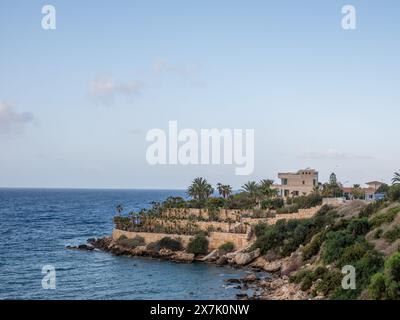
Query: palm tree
{"points": [[119, 208], [396, 178], [253, 189], [224, 190], [265, 188], [200, 189]]}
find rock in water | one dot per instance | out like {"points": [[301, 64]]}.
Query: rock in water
{"points": [[250, 278], [221, 261]]}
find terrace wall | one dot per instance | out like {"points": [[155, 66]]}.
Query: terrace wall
{"points": [[214, 240]]}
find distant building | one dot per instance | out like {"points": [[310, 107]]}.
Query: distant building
{"points": [[374, 185], [297, 183], [370, 193]]}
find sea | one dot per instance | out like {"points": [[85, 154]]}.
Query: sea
{"points": [[36, 225]]}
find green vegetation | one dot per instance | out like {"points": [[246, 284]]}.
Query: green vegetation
{"points": [[386, 285], [313, 247], [272, 204], [394, 192], [227, 247], [165, 243], [386, 217], [131, 243], [392, 235], [200, 190], [302, 202], [198, 244], [287, 235], [171, 244]]}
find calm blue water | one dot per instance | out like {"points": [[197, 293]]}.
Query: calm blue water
{"points": [[36, 225]]}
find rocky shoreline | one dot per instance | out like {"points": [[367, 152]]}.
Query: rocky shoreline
{"points": [[274, 287]]}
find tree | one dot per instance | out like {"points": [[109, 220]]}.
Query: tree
{"points": [[357, 192], [396, 178], [253, 189], [224, 190], [384, 188], [200, 189], [265, 188], [332, 179]]}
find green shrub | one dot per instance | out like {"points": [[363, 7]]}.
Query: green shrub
{"points": [[394, 192], [386, 285], [393, 234], [392, 267], [293, 208], [131, 243], [272, 204], [377, 287], [372, 208], [335, 244], [227, 247], [304, 202], [198, 244], [359, 226], [169, 243], [366, 267], [240, 200], [260, 228], [320, 272], [386, 217], [352, 254], [287, 235], [330, 282]]}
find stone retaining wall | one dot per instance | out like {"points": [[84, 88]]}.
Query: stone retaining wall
{"points": [[302, 214], [215, 239]]}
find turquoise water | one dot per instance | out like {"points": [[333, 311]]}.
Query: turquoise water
{"points": [[37, 224]]}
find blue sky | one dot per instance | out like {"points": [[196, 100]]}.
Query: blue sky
{"points": [[76, 102]]}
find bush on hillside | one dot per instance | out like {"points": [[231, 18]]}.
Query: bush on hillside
{"points": [[312, 200], [169, 243], [198, 244], [240, 201], [272, 204], [227, 247], [287, 235], [336, 242], [386, 217], [359, 226], [372, 208], [313, 247], [386, 285], [394, 192], [392, 235], [131, 243]]}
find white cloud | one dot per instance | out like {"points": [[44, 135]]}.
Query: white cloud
{"points": [[104, 89], [333, 154], [11, 121]]}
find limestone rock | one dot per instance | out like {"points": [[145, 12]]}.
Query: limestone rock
{"points": [[165, 252], [250, 278], [221, 261], [212, 256], [274, 266], [244, 258], [258, 263], [181, 256]]}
